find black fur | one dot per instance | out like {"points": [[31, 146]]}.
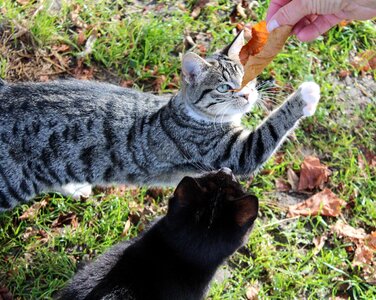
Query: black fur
{"points": [[208, 219]]}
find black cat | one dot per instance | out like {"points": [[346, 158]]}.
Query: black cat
{"points": [[208, 219]]}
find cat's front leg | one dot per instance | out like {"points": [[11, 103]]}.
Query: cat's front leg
{"points": [[259, 145]]}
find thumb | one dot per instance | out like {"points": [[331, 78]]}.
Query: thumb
{"points": [[290, 14]]}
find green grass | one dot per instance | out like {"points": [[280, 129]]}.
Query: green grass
{"points": [[36, 258]]}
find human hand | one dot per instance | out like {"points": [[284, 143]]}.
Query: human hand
{"points": [[311, 18]]}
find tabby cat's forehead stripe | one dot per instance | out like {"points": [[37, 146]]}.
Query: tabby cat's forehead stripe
{"points": [[204, 92]]}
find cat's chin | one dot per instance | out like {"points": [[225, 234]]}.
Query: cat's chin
{"points": [[228, 118], [233, 115]]}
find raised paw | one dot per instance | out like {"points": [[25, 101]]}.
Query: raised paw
{"points": [[310, 92]]}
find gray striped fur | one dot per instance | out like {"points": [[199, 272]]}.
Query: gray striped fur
{"points": [[56, 133]]}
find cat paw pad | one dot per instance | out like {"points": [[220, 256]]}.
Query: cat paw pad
{"points": [[310, 92]]}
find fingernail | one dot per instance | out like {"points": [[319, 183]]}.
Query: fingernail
{"points": [[273, 24]]}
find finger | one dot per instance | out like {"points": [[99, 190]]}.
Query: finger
{"points": [[274, 6], [290, 14], [319, 26], [300, 25], [303, 23]]}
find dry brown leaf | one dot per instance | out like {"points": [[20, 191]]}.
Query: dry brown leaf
{"points": [[364, 61], [255, 64], [61, 48], [319, 242], [197, 8], [370, 157], [256, 43], [33, 210], [252, 292], [325, 203], [369, 273], [126, 228], [363, 256], [81, 38], [361, 163], [66, 219], [313, 174], [293, 179], [344, 230], [282, 185], [370, 240]]}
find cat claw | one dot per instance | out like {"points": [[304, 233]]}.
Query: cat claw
{"points": [[310, 92]]}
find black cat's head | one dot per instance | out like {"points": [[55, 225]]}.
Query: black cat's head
{"points": [[212, 214]]}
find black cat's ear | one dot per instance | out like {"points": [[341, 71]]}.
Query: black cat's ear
{"points": [[192, 67], [246, 210], [187, 191], [233, 50]]}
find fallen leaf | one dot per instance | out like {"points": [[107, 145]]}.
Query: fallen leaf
{"points": [[343, 74], [369, 273], [361, 163], [75, 17], [313, 174], [33, 210], [61, 48], [319, 242], [126, 228], [81, 71], [344, 230], [363, 255], [264, 50], [282, 185], [158, 83], [370, 240], [252, 292], [69, 218], [200, 4], [325, 203], [44, 78], [365, 248], [127, 83], [81, 38], [156, 193], [293, 179], [364, 61], [33, 232], [370, 157]]}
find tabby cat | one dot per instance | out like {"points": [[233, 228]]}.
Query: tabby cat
{"points": [[66, 135], [208, 219]]}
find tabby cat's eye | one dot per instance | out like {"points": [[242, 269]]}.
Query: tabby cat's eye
{"points": [[223, 88]]}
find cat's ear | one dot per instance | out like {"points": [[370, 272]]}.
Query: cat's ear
{"points": [[246, 210], [192, 67], [233, 50], [187, 191]]}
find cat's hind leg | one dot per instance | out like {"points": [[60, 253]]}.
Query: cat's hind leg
{"points": [[75, 190]]}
